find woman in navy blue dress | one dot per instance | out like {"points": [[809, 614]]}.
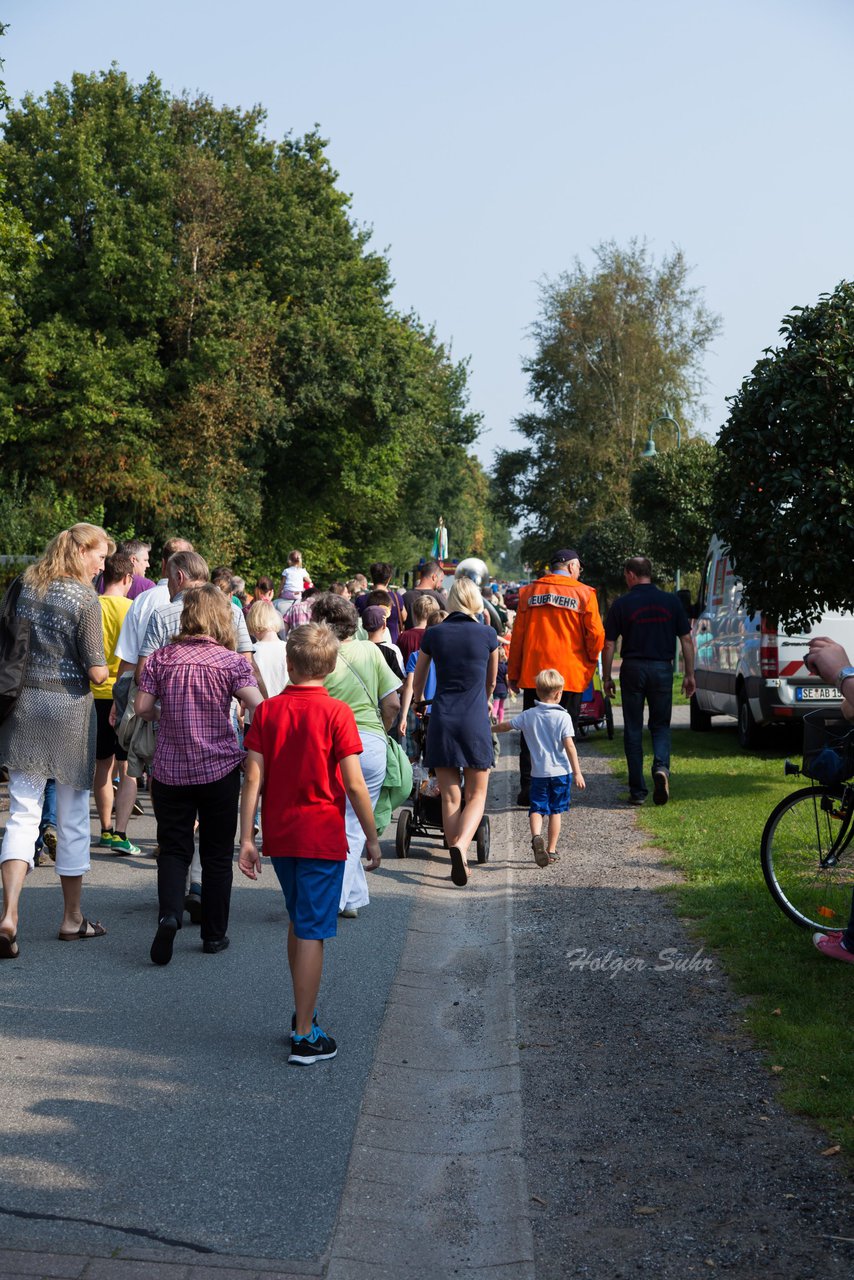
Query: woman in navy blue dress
{"points": [[459, 736]]}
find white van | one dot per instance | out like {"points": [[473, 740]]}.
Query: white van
{"points": [[745, 667]]}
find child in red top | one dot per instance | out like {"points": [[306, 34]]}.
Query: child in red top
{"points": [[303, 747]]}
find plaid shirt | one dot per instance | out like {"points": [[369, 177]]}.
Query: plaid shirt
{"points": [[195, 682], [298, 614]]}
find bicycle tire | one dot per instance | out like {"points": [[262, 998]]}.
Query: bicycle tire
{"points": [[799, 835]]}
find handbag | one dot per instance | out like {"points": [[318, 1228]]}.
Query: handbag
{"points": [[136, 736], [14, 649]]}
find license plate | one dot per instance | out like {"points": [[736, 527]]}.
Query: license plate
{"points": [[817, 693]]}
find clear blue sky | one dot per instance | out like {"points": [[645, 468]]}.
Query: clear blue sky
{"points": [[489, 142]]}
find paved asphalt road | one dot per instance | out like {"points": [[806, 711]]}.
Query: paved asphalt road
{"points": [[149, 1109]]}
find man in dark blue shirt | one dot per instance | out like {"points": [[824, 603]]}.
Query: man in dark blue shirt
{"points": [[650, 621]]}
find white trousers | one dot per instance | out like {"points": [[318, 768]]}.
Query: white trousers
{"points": [[26, 795], [354, 890]]}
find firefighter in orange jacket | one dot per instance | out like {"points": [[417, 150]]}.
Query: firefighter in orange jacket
{"points": [[557, 625]]}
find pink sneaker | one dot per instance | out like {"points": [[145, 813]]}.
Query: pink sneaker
{"points": [[830, 944]]}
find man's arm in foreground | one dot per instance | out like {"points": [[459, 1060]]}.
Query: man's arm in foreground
{"points": [[607, 663]]}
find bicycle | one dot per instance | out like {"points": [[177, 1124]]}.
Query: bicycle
{"points": [[806, 860]]}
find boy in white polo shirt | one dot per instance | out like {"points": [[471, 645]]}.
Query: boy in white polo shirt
{"points": [[554, 761]]}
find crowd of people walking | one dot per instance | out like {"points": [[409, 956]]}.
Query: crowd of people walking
{"points": [[186, 683]]}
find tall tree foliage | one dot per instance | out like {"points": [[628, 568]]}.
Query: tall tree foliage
{"points": [[672, 496], [18, 254], [784, 494], [207, 341], [604, 548], [613, 346]]}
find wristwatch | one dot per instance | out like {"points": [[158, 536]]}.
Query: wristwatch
{"points": [[845, 673]]}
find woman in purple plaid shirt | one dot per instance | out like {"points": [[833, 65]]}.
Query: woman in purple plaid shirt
{"points": [[197, 762]]}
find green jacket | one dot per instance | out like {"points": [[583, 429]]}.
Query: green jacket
{"points": [[397, 786]]}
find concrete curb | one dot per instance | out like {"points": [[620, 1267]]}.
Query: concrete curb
{"points": [[437, 1185]]}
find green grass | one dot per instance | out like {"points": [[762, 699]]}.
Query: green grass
{"points": [[799, 1005]]}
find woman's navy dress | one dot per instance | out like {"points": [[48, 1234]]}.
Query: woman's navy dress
{"points": [[459, 734]]}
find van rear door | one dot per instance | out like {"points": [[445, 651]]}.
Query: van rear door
{"points": [[718, 635]]}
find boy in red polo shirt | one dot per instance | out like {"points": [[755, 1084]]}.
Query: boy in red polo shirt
{"points": [[304, 749]]}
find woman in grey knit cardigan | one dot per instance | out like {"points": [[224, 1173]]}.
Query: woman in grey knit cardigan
{"points": [[51, 730]]}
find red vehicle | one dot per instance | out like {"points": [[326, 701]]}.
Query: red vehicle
{"points": [[596, 710], [511, 597]]}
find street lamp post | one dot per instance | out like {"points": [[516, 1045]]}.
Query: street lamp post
{"points": [[650, 450]]}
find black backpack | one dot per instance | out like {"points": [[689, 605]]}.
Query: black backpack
{"points": [[14, 649]]}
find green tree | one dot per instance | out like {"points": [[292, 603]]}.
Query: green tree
{"points": [[87, 167], [18, 255], [207, 341], [612, 346], [604, 548], [672, 496], [784, 493]]}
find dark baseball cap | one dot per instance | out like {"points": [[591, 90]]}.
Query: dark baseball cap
{"points": [[374, 617], [564, 556]]}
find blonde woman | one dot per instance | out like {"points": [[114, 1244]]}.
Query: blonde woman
{"points": [[197, 761], [464, 653], [51, 731]]}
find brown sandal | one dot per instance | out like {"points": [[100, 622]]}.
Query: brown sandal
{"points": [[82, 934]]}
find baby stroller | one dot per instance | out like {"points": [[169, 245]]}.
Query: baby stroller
{"points": [[425, 816], [596, 708]]}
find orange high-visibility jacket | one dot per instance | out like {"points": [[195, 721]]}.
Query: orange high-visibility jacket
{"points": [[557, 625]]}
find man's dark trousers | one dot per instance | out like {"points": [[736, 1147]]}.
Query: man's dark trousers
{"points": [[570, 702], [643, 680]]}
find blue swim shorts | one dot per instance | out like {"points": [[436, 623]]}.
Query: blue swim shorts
{"points": [[550, 795], [312, 889]]}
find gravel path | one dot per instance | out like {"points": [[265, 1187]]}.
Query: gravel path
{"points": [[653, 1139]]}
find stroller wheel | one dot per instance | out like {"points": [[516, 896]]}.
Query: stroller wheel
{"points": [[481, 837], [404, 833]]}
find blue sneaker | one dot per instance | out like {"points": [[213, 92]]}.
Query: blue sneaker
{"points": [[314, 1048]]}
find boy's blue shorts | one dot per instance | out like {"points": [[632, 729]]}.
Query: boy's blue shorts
{"points": [[550, 795], [312, 889]]}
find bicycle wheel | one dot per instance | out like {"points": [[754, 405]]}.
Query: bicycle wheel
{"points": [[806, 862]]}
